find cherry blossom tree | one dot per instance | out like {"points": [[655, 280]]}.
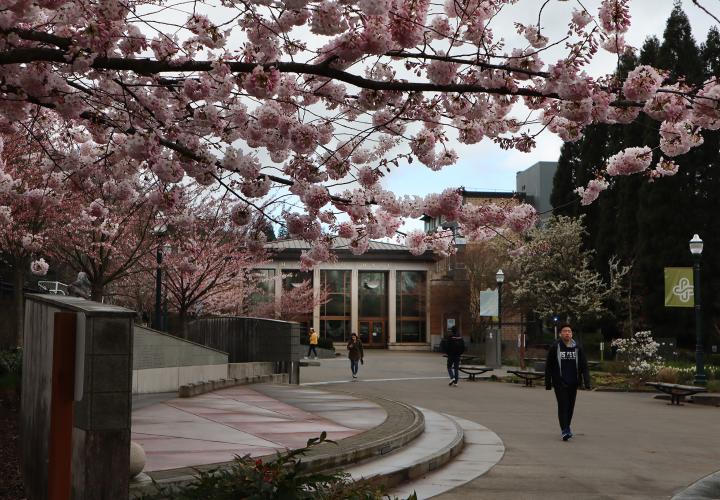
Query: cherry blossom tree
{"points": [[114, 223], [321, 99], [211, 260], [29, 209]]}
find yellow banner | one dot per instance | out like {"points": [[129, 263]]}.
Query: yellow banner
{"points": [[679, 287]]}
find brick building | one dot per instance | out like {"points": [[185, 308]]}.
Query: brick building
{"points": [[450, 280]]}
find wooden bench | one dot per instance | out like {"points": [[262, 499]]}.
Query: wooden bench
{"points": [[676, 391], [528, 376]]}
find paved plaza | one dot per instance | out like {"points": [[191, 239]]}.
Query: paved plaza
{"points": [[627, 445]]}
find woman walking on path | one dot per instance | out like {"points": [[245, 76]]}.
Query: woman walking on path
{"points": [[355, 353], [313, 343]]}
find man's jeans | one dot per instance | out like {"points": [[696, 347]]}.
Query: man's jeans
{"points": [[453, 366]]}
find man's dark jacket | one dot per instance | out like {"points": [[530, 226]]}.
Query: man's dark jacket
{"points": [[553, 376], [453, 346]]}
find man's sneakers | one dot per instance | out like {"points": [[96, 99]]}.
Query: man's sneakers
{"points": [[566, 434], [453, 382]]}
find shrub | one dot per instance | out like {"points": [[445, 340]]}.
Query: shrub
{"points": [[282, 479], [612, 367], [11, 362], [713, 386], [640, 352], [668, 375]]}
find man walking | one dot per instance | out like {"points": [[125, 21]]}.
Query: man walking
{"points": [[566, 369], [454, 347]]}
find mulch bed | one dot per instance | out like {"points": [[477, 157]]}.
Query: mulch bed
{"points": [[11, 485]]}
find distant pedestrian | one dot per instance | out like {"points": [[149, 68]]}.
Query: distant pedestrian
{"points": [[566, 369], [313, 343], [454, 347], [355, 353]]}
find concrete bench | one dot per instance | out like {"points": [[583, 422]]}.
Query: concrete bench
{"points": [[676, 391], [528, 376], [473, 371]]}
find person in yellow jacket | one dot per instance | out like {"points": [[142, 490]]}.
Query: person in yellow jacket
{"points": [[313, 342]]}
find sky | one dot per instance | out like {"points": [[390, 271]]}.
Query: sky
{"points": [[486, 167]]}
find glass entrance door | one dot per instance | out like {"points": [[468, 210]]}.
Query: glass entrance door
{"points": [[372, 333]]}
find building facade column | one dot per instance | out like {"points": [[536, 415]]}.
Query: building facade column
{"points": [[392, 307], [316, 296], [428, 338], [278, 289], [354, 302]]}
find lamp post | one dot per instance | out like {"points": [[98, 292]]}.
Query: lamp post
{"points": [[157, 323], [500, 279], [696, 248], [166, 249], [497, 349]]}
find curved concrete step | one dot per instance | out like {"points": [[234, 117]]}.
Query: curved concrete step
{"points": [[483, 449], [441, 441], [402, 425]]}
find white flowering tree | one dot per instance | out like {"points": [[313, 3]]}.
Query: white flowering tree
{"points": [[554, 274], [640, 352]]}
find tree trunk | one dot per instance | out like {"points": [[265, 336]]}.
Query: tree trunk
{"points": [[96, 293], [183, 319], [19, 300]]}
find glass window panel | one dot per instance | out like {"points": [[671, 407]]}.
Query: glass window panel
{"points": [[337, 306], [372, 294], [409, 281], [411, 306], [265, 291], [364, 332], [336, 330], [411, 330], [336, 281], [293, 277]]}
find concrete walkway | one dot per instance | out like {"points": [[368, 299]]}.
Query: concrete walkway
{"points": [[627, 445], [215, 427]]}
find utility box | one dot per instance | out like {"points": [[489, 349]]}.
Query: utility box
{"points": [[493, 348]]}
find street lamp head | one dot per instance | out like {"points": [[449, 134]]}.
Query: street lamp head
{"points": [[500, 276], [160, 230], [696, 245]]}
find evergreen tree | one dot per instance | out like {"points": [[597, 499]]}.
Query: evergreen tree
{"points": [[668, 208], [648, 225]]}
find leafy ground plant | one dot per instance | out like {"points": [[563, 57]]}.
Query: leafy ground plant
{"points": [[282, 479]]}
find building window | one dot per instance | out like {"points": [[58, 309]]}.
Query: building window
{"points": [[410, 306], [293, 278], [265, 286], [335, 314], [372, 308]]}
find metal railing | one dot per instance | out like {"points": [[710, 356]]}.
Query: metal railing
{"points": [[54, 287]]}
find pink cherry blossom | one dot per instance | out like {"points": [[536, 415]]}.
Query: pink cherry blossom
{"points": [[629, 161], [590, 193], [39, 267], [641, 83]]}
